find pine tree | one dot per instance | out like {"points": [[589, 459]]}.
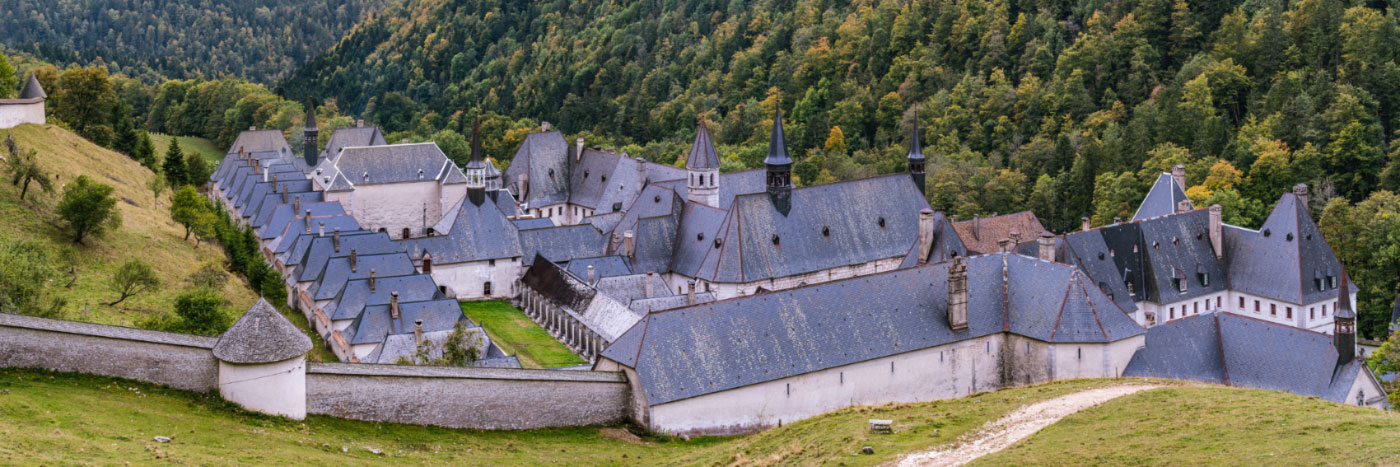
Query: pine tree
{"points": [[126, 138], [174, 165], [145, 151]]}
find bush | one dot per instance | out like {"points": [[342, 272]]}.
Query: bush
{"points": [[88, 209], [201, 311], [133, 277], [209, 275], [26, 279]]}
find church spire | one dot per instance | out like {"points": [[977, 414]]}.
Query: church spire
{"points": [[779, 165], [916, 154], [476, 168], [1344, 323], [309, 146]]}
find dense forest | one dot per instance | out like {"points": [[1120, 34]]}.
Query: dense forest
{"points": [[260, 40]]}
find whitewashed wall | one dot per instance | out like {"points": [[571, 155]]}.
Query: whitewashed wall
{"points": [[13, 115]]}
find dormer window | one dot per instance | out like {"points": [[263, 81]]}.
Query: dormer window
{"points": [[826, 231], [1129, 284], [700, 237]]}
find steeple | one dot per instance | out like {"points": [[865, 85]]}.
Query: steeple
{"points": [[476, 168], [916, 154], [779, 165], [1344, 323], [309, 149], [702, 166]]}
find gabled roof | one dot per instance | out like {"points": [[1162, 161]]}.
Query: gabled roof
{"points": [[796, 331], [261, 141], [1286, 259], [1226, 348], [702, 152], [477, 233], [1162, 199], [338, 272], [349, 137], [356, 295], [321, 249], [563, 243], [603, 267], [261, 335], [395, 163], [980, 235], [544, 158], [377, 323]]}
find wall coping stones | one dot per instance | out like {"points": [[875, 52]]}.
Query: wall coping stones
{"points": [[104, 330], [367, 369]]}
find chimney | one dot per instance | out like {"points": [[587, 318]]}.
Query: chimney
{"points": [[1004, 245], [308, 221], [651, 276], [690, 293], [296, 205], [418, 332], [544, 126], [394, 305], [1117, 220], [957, 295], [320, 229], [925, 234], [1084, 223], [1047, 246], [265, 174], [371, 281], [1301, 191], [1179, 174], [976, 226], [578, 143], [1183, 205], [1015, 239], [284, 194], [591, 276], [354, 263], [1217, 236], [629, 246], [360, 123], [335, 239]]}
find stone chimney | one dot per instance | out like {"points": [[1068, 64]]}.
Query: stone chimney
{"points": [[976, 226], [1179, 174], [354, 263], [320, 229], [308, 221], [394, 305], [1047, 246], [418, 332], [1015, 239], [1301, 191], [335, 239], [359, 123], [1084, 224], [284, 194], [1217, 235], [957, 295], [925, 234], [592, 277], [1183, 205], [1004, 245], [578, 149], [647, 286], [371, 281], [629, 246], [544, 126], [296, 205], [690, 292]]}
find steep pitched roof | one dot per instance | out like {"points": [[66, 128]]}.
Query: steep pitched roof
{"points": [[981, 235], [800, 330], [261, 141], [702, 152], [377, 322], [562, 243], [262, 335], [349, 137], [32, 89], [395, 163], [478, 233], [1287, 259], [544, 159], [1162, 199]]}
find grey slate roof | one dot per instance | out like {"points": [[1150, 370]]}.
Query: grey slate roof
{"points": [[533, 223], [477, 233], [356, 297], [32, 89], [376, 323], [563, 243], [1162, 199], [273, 217], [545, 158], [796, 331], [262, 335], [702, 152], [395, 163], [296, 228], [733, 184], [850, 212], [1285, 259], [349, 137], [1179, 246], [319, 250], [1226, 348], [603, 266], [261, 141], [338, 272]]}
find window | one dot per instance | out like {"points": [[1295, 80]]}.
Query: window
{"points": [[1241, 303], [1288, 312], [1217, 303], [1256, 306], [1312, 312], [491, 263], [1324, 310], [405, 232], [1273, 309], [427, 265], [1195, 308], [486, 288], [1171, 313]]}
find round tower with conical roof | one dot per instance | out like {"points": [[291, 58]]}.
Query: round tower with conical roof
{"points": [[702, 166]]}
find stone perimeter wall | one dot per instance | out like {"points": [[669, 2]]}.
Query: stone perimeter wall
{"points": [[479, 398], [483, 398]]}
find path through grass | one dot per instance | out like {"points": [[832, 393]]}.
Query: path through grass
{"points": [[516, 334]]}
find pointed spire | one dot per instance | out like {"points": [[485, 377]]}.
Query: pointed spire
{"points": [[310, 116], [916, 145], [1344, 297], [779, 166], [475, 169], [32, 89], [310, 150], [1344, 323], [777, 142], [702, 152]]}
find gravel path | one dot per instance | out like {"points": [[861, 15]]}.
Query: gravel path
{"points": [[1016, 426]]}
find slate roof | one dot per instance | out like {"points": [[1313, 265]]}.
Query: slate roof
{"points": [[356, 297], [261, 141], [702, 152], [603, 267], [1179, 246], [733, 184], [261, 335], [477, 233], [603, 179], [545, 158], [533, 223], [1226, 348], [396, 163], [946, 244], [338, 272], [607, 316], [1162, 199], [805, 329], [279, 215], [849, 211], [342, 222], [980, 236], [349, 137], [563, 243], [1285, 259], [32, 89], [318, 250], [377, 323]]}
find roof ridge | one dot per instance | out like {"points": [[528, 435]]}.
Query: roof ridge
{"points": [[1061, 314], [1220, 343], [1092, 309]]}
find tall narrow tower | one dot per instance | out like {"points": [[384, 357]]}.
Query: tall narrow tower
{"points": [[916, 155], [703, 168], [779, 166], [476, 169], [309, 150], [1344, 323]]}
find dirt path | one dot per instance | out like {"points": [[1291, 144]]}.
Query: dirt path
{"points": [[1016, 426]]}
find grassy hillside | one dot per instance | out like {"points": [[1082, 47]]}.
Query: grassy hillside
{"points": [[147, 232], [1208, 425], [189, 144]]}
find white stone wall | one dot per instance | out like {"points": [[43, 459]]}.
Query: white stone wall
{"points": [[395, 206], [1308, 316], [1365, 391], [275, 388], [466, 281], [1068, 361], [725, 290], [942, 372], [13, 115]]}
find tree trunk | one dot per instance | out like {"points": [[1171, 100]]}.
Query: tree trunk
{"points": [[25, 190], [119, 300], [187, 233]]}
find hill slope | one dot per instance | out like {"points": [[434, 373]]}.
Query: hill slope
{"points": [[147, 232]]}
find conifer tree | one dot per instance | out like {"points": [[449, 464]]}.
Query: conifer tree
{"points": [[174, 165]]}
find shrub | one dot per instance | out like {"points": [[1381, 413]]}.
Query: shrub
{"points": [[209, 275], [201, 312], [26, 275], [88, 209], [133, 277]]}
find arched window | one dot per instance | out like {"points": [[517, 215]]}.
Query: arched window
{"points": [[406, 232], [486, 288]]}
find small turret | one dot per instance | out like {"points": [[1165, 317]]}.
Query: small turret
{"points": [[476, 169], [309, 149], [702, 166], [916, 155], [779, 165], [1344, 324]]}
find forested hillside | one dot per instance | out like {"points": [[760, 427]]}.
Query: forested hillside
{"points": [[259, 40]]}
